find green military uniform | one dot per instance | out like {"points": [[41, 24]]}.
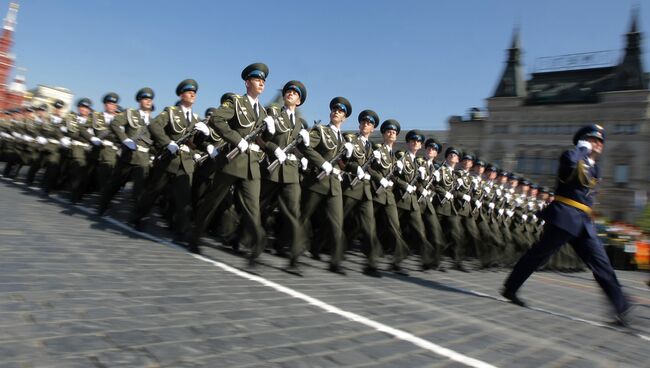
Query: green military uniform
{"points": [[234, 120], [283, 183], [130, 127], [75, 169], [53, 133], [434, 231]]}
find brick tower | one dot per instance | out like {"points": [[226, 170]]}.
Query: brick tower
{"points": [[8, 98]]}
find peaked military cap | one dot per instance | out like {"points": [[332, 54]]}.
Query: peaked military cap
{"points": [[226, 96], [491, 167], [414, 134], [343, 104], [58, 104], [210, 111], [369, 115], [85, 102], [468, 156], [119, 109], [390, 124], [42, 107], [143, 93], [524, 181], [534, 186], [502, 173], [513, 176], [28, 109], [451, 150], [298, 87], [431, 143], [592, 130], [111, 97], [187, 85], [255, 70], [479, 162]]}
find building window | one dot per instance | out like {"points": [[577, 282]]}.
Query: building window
{"points": [[621, 174], [626, 128], [500, 129]]}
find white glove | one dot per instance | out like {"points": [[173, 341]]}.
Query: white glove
{"points": [[349, 148], [366, 177], [64, 129], [270, 124], [425, 193], [466, 198], [96, 141], [360, 173], [304, 162], [327, 167], [196, 156], [423, 172], [487, 190], [129, 143], [584, 144], [500, 211], [17, 135], [41, 140], [491, 205], [477, 203], [534, 218], [436, 174], [499, 192], [305, 136], [65, 142], [279, 153], [172, 147], [384, 183], [390, 183], [376, 155], [242, 145], [460, 182], [449, 196], [509, 213], [524, 217], [400, 166], [28, 138], [410, 188], [212, 151], [201, 127]]}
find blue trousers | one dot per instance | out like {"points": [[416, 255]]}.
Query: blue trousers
{"points": [[589, 249]]}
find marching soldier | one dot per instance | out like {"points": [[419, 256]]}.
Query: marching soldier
{"points": [[358, 209], [322, 184], [76, 130], [281, 184], [240, 121], [382, 171], [132, 129], [103, 155], [54, 134], [40, 127], [173, 133], [409, 174], [432, 226]]}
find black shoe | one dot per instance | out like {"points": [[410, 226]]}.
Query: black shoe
{"points": [[336, 269], [371, 271], [101, 211], [316, 256], [136, 224], [193, 248], [513, 298], [441, 268], [459, 266], [623, 318], [251, 263], [396, 269], [293, 268]]}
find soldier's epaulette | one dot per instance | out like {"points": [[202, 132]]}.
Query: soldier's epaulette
{"points": [[172, 108], [376, 146], [399, 154], [419, 160], [230, 100], [349, 137]]}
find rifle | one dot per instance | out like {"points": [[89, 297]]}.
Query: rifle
{"points": [[390, 175], [415, 179], [332, 162], [274, 165], [235, 151], [206, 155], [363, 167], [184, 138], [426, 187]]}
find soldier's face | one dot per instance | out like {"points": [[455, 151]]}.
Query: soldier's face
{"points": [[188, 98], [255, 86], [337, 116], [291, 98], [478, 169], [390, 136], [414, 145], [84, 111], [432, 153], [452, 159], [533, 192], [466, 164], [110, 107], [366, 127], [596, 145], [492, 175], [503, 179], [146, 104]]}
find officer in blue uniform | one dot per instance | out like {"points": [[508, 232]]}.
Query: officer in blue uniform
{"points": [[568, 220]]}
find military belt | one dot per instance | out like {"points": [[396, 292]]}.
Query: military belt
{"points": [[143, 149], [575, 204]]}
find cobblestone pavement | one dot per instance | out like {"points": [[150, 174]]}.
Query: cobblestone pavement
{"points": [[77, 290]]}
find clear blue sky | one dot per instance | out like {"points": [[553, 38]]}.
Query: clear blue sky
{"points": [[415, 61]]}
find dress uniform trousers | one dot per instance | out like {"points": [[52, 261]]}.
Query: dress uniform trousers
{"points": [[287, 197], [333, 222], [364, 221]]}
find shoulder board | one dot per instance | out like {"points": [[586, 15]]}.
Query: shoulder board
{"points": [[170, 108]]}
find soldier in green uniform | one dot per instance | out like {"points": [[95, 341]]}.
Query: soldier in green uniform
{"points": [[39, 127], [410, 173], [324, 153], [103, 157], [173, 132], [282, 183], [241, 121], [358, 209], [382, 171], [14, 147], [76, 130], [53, 133], [132, 129], [434, 231]]}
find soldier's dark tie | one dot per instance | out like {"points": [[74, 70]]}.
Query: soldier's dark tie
{"points": [[340, 136], [293, 122], [257, 113], [187, 117]]}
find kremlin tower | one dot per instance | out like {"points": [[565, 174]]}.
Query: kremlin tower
{"points": [[11, 95]]}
